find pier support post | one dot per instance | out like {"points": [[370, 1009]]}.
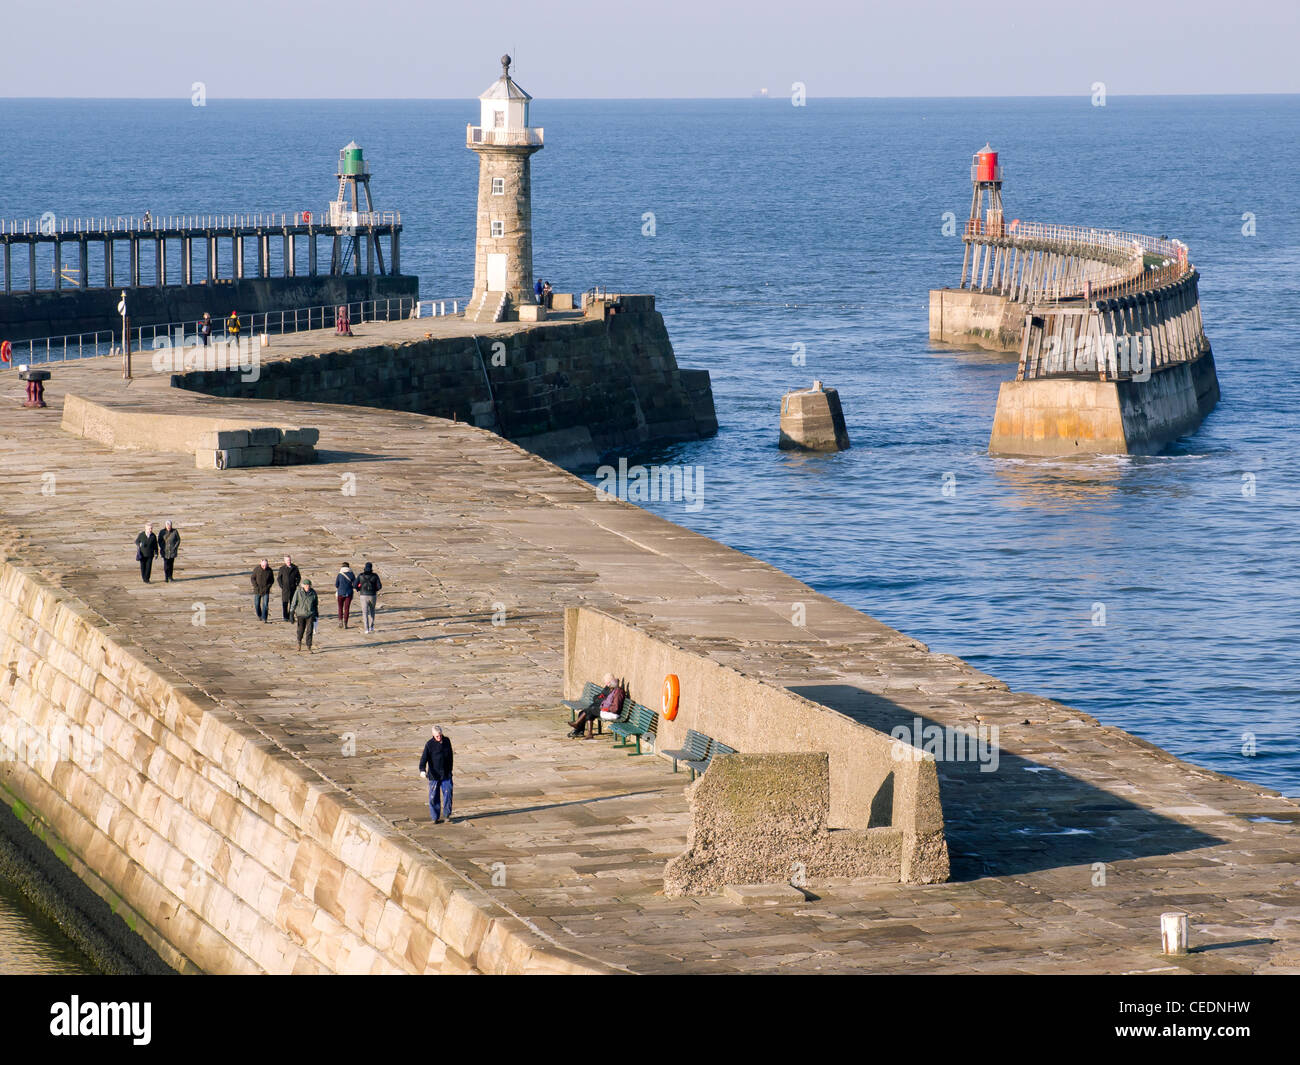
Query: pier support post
{"points": [[58, 265], [83, 261], [8, 270], [394, 260], [31, 267], [108, 263], [290, 255], [263, 253], [311, 253], [134, 243]]}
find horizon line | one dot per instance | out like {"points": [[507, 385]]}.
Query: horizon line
{"points": [[641, 99]]}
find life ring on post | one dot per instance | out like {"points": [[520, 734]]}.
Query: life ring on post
{"points": [[672, 690], [6, 352], [306, 218]]}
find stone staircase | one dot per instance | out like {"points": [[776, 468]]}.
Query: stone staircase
{"points": [[489, 307]]}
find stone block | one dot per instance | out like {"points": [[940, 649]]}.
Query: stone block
{"points": [[224, 439], [813, 420], [264, 437]]}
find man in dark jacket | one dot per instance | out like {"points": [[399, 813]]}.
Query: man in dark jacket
{"points": [[305, 609], [169, 545], [146, 547], [368, 586], [287, 578], [262, 579], [435, 767]]}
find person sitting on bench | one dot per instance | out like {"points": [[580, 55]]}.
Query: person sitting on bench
{"points": [[606, 704]]}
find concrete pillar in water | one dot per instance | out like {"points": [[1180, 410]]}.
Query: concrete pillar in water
{"points": [[812, 420], [505, 144]]}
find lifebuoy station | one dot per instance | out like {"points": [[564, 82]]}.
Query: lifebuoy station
{"points": [[1113, 356]]}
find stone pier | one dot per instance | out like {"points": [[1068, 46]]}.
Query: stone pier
{"points": [[255, 809]]}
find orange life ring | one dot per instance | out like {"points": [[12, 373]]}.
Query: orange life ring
{"points": [[6, 352], [672, 689], [306, 218]]}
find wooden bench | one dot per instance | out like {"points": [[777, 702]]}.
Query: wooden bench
{"points": [[696, 749], [576, 706], [636, 722], [700, 765]]}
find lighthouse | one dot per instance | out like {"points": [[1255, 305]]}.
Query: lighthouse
{"points": [[503, 245]]}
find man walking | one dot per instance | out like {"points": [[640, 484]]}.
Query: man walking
{"points": [[262, 579], [435, 767], [288, 578], [368, 586], [305, 610], [169, 544], [146, 547], [344, 585], [205, 328]]}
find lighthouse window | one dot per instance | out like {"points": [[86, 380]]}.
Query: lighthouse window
{"points": [[498, 186], [498, 119], [498, 229]]}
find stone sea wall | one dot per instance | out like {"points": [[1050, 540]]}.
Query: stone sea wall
{"points": [[570, 391], [219, 849]]}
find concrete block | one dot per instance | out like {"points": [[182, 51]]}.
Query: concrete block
{"points": [[303, 435], [224, 439], [266, 437], [762, 894]]}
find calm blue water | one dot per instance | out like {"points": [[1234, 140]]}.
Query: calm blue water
{"points": [[821, 226]]}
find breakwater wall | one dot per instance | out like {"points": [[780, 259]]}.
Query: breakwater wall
{"points": [[1127, 374], [571, 391], [222, 851], [69, 310]]}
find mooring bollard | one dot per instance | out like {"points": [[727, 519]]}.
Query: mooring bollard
{"points": [[1173, 932], [35, 386]]}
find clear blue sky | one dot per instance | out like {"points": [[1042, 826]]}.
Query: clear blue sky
{"points": [[647, 48]]}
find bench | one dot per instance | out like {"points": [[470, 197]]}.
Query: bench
{"points": [[700, 765], [697, 747], [635, 722], [576, 706]]}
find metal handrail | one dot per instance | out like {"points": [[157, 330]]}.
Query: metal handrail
{"points": [[145, 337], [531, 135], [179, 224]]}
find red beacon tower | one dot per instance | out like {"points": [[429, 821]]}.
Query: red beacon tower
{"points": [[985, 178]]}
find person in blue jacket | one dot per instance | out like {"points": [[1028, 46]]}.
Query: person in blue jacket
{"points": [[344, 585]]}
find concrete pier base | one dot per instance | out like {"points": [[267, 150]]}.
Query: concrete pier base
{"points": [[813, 420], [1057, 416], [982, 319]]}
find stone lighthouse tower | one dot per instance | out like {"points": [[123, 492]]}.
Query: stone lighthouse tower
{"points": [[503, 247]]}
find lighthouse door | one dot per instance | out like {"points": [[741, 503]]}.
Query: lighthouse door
{"points": [[496, 279]]}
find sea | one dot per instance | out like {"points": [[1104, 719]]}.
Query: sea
{"points": [[787, 244]]}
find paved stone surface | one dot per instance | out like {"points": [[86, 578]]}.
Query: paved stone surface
{"points": [[463, 526]]}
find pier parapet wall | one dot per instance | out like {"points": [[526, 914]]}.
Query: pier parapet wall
{"points": [[870, 806], [570, 391]]}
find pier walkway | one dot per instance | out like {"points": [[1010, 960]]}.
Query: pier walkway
{"points": [[1063, 858]]}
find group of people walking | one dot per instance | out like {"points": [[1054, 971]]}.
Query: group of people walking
{"points": [[150, 545], [300, 602]]}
